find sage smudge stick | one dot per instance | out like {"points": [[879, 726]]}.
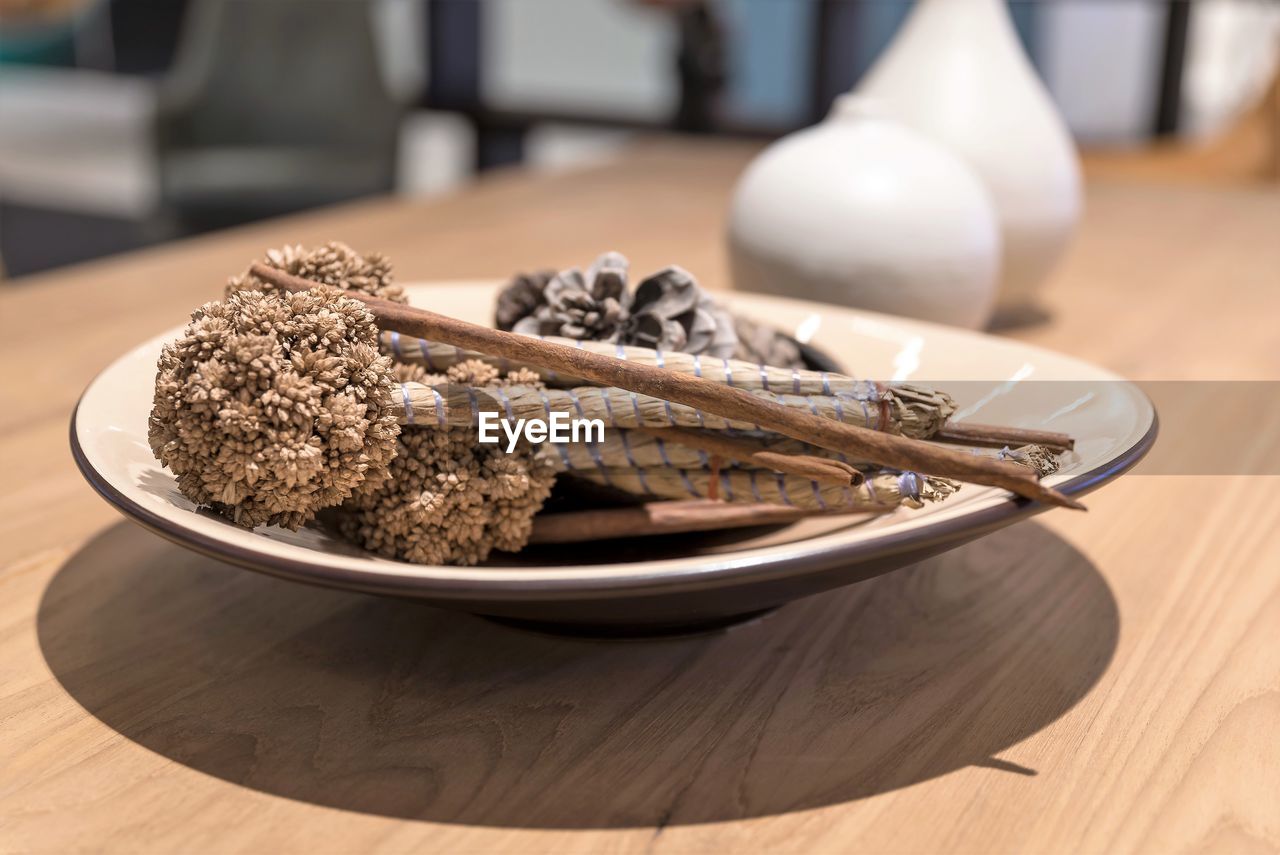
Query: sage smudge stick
{"points": [[881, 492], [453, 405], [661, 456], [910, 409], [690, 449], [457, 406], [752, 453], [882, 448], [1042, 459]]}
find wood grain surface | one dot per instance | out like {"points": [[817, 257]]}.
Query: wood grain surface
{"points": [[1100, 682]]}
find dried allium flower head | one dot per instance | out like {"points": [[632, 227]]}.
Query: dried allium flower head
{"points": [[449, 499], [273, 406], [333, 264]]}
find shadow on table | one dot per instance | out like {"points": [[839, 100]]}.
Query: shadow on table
{"points": [[391, 707], [1019, 318]]}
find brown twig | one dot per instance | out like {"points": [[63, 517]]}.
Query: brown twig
{"points": [[967, 433], [664, 517], [882, 448], [821, 469]]}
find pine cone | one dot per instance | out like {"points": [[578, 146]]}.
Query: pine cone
{"points": [[591, 306], [521, 298], [764, 344], [670, 312]]}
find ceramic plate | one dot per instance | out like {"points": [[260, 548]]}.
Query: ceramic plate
{"points": [[671, 582]]}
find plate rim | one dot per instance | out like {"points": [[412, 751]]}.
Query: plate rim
{"points": [[742, 569], [651, 577]]}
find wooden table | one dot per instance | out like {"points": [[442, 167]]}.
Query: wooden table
{"points": [[1098, 682]]}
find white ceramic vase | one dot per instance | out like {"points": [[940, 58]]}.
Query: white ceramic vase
{"points": [[860, 210], [957, 72]]}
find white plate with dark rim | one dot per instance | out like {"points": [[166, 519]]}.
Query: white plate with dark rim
{"points": [[680, 582]]}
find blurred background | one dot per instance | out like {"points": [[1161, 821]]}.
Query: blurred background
{"points": [[127, 123]]}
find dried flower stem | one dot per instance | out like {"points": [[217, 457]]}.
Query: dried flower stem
{"points": [[669, 517], [967, 433], [885, 449]]}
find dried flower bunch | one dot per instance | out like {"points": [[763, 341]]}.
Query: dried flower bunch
{"points": [[273, 406], [667, 311], [334, 264], [450, 500]]}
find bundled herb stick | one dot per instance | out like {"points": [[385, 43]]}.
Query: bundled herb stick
{"points": [[277, 404], [901, 408]]}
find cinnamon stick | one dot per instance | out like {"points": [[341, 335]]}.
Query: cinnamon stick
{"points": [[663, 517], [968, 433], [824, 470], [729, 402]]}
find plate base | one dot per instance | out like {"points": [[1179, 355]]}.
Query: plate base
{"points": [[631, 632]]}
